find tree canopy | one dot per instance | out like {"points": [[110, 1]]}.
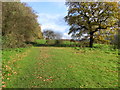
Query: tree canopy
{"points": [[92, 18], [19, 24]]}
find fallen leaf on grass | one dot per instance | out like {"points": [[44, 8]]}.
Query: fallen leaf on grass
{"points": [[50, 76], [81, 87], [8, 78], [34, 86], [15, 72], [39, 77], [48, 80], [3, 82], [9, 74], [3, 86]]}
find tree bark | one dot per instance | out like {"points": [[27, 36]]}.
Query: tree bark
{"points": [[91, 40]]}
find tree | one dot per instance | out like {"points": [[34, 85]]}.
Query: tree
{"points": [[91, 18], [116, 41], [19, 25], [49, 34]]}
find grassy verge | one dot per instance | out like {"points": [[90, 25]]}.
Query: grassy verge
{"points": [[10, 61]]}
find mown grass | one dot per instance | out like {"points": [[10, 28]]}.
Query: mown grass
{"points": [[61, 67], [40, 41], [10, 58]]}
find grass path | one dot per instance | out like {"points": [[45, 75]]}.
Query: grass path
{"points": [[57, 67]]}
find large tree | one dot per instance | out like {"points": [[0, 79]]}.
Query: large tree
{"points": [[91, 17]]}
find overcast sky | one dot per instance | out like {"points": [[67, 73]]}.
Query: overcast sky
{"points": [[51, 16]]}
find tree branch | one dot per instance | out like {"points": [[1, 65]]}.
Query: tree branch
{"points": [[101, 28]]}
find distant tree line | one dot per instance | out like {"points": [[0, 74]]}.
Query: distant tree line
{"points": [[19, 25], [50, 34]]}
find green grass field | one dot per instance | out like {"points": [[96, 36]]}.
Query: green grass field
{"points": [[60, 67]]}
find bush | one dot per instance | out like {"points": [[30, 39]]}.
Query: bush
{"points": [[58, 42], [50, 42], [12, 42]]}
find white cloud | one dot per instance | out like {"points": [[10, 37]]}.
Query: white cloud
{"points": [[54, 22], [66, 36]]}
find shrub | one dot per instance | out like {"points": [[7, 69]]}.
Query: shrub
{"points": [[50, 42], [58, 42]]}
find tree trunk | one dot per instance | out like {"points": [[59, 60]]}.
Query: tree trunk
{"points": [[91, 40]]}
